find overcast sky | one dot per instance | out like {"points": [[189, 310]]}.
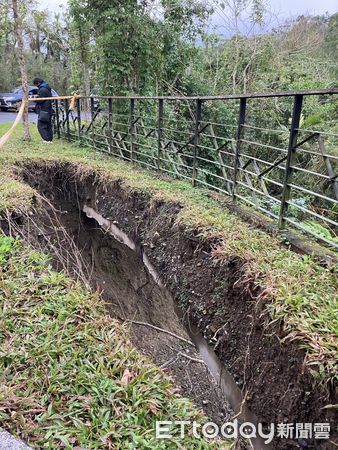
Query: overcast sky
{"points": [[51, 5], [282, 8], [291, 8]]}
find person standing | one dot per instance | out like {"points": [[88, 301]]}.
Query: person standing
{"points": [[44, 110]]}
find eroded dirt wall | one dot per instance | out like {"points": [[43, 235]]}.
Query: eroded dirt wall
{"points": [[224, 309]]}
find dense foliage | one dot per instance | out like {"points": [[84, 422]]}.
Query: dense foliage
{"points": [[150, 47], [46, 41]]}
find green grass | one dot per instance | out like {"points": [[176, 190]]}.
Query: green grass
{"points": [[295, 289], [69, 376]]}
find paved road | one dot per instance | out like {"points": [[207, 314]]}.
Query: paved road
{"points": [[8, 442], [9, 117]]}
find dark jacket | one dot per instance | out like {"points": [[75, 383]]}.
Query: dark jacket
{"points": [[46, 105]]}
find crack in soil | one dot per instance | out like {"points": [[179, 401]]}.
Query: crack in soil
{"points": [[271, 375]]}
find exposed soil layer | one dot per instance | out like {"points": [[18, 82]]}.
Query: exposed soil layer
{"points": [[216, 297], [87, 252]]}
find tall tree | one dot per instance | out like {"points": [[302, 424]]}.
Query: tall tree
{"points": [[136, 47], [23, 67]]}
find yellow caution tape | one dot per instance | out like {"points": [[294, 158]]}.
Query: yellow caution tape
{"points": [[9, 133]]}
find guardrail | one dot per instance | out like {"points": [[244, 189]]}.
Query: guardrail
{"points": [[252, 147]]}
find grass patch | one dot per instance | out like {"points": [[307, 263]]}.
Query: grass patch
{"points": [[298, 291], [12, 189], [69, 376]]}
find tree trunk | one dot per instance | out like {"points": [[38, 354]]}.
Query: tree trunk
{"points": [[23, 68]]}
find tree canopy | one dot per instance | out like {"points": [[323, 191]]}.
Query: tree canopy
{"points": [[163, 47]]}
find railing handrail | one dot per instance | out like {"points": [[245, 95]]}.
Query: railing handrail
{"points": [[330, 91]]}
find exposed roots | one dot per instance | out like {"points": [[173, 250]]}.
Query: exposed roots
{"points": [[53, 238]]}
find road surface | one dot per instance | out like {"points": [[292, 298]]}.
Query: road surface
{"points": [[9, 117], [8, 442]]}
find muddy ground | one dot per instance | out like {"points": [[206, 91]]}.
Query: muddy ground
{"points": [[215, 296]]}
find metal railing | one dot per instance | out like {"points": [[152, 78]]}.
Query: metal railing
{"points": [[253, 148]]}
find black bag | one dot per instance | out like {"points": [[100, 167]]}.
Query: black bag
{"points": [[44, 116]]}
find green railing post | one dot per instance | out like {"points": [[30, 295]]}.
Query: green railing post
{"points": [[159, 132], [132, 129], [291, 156], [198, 118], [57, 117], [110, 127], [241, 121], [78, 107], [67, 118], [92, 112]]}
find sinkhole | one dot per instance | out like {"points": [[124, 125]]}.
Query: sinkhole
{"points": [[183, 310]]}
